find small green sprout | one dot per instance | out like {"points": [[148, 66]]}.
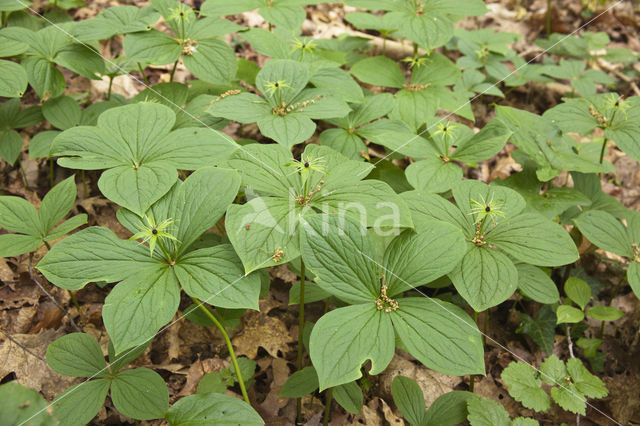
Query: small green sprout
{"points": [[154, 231]]}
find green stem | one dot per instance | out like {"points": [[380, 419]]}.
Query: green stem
{"points": [[143, 74], [84, 184], [74, 300], [220, 228], [300, 335], [327, 407], [173, 70], [415, 49], [471, 383], [384, 44], [604, 145], [3, 19], [109, 90], [485, 327], [232, 353]]}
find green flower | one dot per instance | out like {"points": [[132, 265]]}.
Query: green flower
{"points": [[486, 209], [154, 231]]}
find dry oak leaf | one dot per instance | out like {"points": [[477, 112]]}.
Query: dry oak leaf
{"points": [[262, 330]]}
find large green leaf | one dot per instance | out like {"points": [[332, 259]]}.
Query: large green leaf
{"points": [[349, 396], [449, 409], [77, 405], [524, 386], [77, 355], [137, 307], [343, 339], [92, 255], [440, 335], [531, 238], [216, 276], [57, 203], [116, 20], [10, 145], [533, 282], [19, 215], [13, 79], [44, 76], [409, 398], [261, 228], [212, 408], [429, 29], [300, 383], [433, 174], [485, 277], [287, 130], [17, 244], [140, 394], [242, 107], [212, 61], [605, 231], [339, 253], [379, 71], [22, 405], [412, 260], [152, 47], [486, 412]]}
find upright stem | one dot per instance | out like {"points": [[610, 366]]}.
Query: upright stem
{"points": [[300, 335], [548, 23], [3, 18], [109, 90], [143, 74], [604, 145], [173, 70], [84, 183], [24, 175], [327, 407], [485, 327], [384, 44], [229, 346]]}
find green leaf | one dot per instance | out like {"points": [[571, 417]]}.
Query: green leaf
{"points": [[212, 408], [485, 277], [553, 371], [440, 335], [534, 283], [212, 383], [22, 405], [625, 136], [484, 144], [292, 129], [605, 231], [77, 355], [379, 71], [152, 47], [531, 238], [116, 20], [586, 383], [340, 140], [542, 330], [339, 83], [261, 227], [449, 409], [16, 244], [264, 169], [339, 253], [19, 215], [633, 276], [291, 76], [300, 383], [312, 293], [13, 79], [242, 107], [569, 398], [485, 412], [568, 314], [409, 398], [140, 394], [524, 421], [578, 291], [66, 227], [412, 260], [80, 403], [44, 76], [349, 396], [338, 352], [10, 146], [138, 306], [57, 203], [212, 61], [429, 30], [92, 255], [433, 175], [605, 313], [215, 274], [524, 386], [414, 108], [62, 112]]}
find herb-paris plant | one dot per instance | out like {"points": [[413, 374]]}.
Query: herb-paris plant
{"points": [[338, 251], [140, 152], [148, 294]]}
